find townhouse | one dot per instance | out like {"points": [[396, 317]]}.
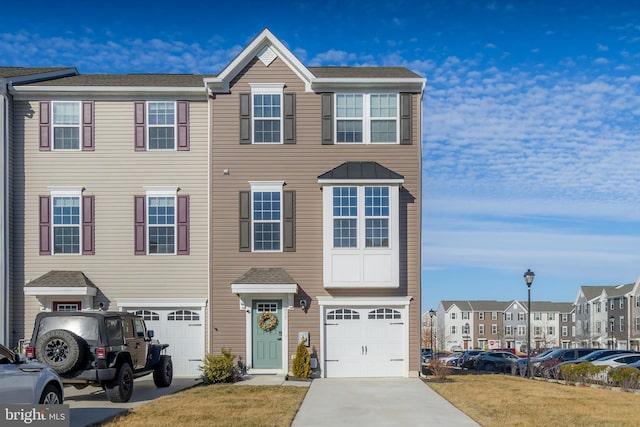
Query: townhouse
{"points": [[246, 209], [490, 324]]}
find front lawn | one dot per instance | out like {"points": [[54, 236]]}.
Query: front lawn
{"points": [[218, 405], [499, 400]]}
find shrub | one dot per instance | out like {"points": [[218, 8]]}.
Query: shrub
{"points": [[302, 361], [625, 377], [439, 369], [220, 368]]}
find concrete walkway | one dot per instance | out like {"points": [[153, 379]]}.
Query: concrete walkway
{"points": [[376, 402]]}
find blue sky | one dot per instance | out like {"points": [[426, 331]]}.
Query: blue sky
{"points": [[531, 140]]}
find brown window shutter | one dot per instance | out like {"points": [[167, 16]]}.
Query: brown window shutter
{"points": [[327, 118], [289, 118], [245, 118], [140, 126], [245, 221], [183, 125], [140, 225], [183, 225], [405, 119], [88, 225], [87, 126], [45, 126], [45, 225], [289, 221]]}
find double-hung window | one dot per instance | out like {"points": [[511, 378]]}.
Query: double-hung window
{"points": [[267, 217], [161, 125], [375, 204], [366, 118], [161, 224], [66, 125], [267, 109], [66, 223]]}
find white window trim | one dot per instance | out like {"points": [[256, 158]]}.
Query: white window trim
{"points": [[267, 186], [366, 117], [162, 192], [66, 192], [54, 126], [267, 89], [332, 279], [174, 126]]}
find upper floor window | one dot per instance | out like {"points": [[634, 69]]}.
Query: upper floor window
{"points": [[161, 125], [508, 316], [161, 224], [374, 203], [267, 218], [366, 118], [551, 330], [267, 117], [621, 302], [598, 307], [66, 125], [66, 224], [465, 314], [565, 317], [494, 329], [453, 329], [612, 302], [521, 316], [637, 300], [494, 315], [481, 329], [551, 316], [453, 315], [537, 316], [481, 315]]}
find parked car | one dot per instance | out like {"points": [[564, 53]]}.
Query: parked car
{"points": [[544, 366], [425, 354], [495, 361], [520, 368], [100, 348], [593, 356], [467, 358], [451, 360], [23, 382], [617, 360]]}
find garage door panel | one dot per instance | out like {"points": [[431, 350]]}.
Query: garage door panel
{"points": [[364, 342], [183, 330]]}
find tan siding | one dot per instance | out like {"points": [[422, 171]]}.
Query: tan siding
{"points": [[299, 166], [114, 173]]}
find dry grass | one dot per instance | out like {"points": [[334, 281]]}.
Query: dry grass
{"points": [[498, 400], [218, 405]]}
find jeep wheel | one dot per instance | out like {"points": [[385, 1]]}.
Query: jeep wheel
{"points": [[163, 372], [59, 349], [121, 388]]}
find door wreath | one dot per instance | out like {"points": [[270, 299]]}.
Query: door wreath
{"points": [[267, 321]]}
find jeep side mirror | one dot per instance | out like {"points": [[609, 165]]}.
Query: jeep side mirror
{"points": [[150, 333]]}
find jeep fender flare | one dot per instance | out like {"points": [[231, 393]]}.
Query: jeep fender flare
{"points": [[155, 352], [121, 358]]}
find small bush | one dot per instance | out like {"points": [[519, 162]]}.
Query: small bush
{"points": [[220, 368], [439, 369], [624, 377], [302, 361]]}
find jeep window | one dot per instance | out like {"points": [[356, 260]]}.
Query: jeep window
{"points": [[114, 331], [139, 328], [85, 327], [128, 327]]}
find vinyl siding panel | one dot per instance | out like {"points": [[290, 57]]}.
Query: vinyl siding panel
{"points": [[114, 173], [298, 166]]}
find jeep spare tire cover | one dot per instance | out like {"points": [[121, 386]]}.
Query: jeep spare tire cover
{"points": [[59, 349]]}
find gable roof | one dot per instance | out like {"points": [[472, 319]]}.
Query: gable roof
{"points": [[266, 45], [22, 75]]}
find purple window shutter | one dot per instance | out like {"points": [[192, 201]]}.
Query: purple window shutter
{"points": [[88, 227], [87, 126], [140, 225], [45, 126], [183, 125], [183, 225], [140, 127], [45, 225]]}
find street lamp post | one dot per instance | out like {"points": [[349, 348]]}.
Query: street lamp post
{"points": [[528, 278], [611, 324], [431, 314]]}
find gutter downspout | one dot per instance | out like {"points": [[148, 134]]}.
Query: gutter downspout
{"points": [[4, 216]]}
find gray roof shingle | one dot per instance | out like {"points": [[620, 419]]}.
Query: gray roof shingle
{"points": [[265, 276], [57, 278], [360, 170]]}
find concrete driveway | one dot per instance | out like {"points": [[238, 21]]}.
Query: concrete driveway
{"points": [[376, 402], [90, 405]]}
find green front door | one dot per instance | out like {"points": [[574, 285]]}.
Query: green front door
{"points": [[267, 334]]}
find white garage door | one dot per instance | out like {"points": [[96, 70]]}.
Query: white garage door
{"points": [[183, 330], [364, 342]]}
